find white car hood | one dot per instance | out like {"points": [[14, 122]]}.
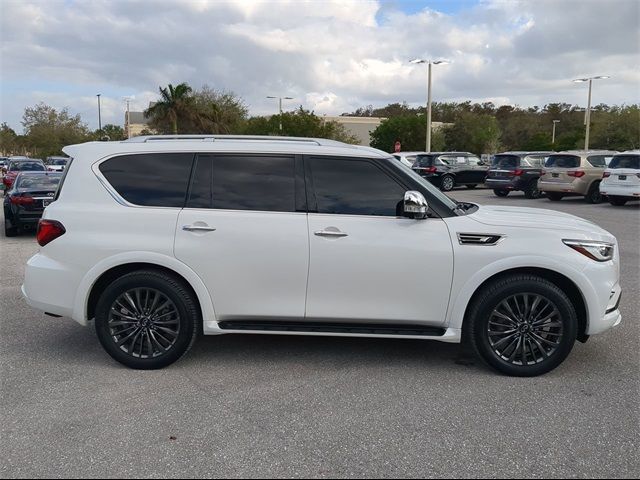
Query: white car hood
{"points": [[540, 219]]}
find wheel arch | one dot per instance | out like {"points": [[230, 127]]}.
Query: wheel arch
{"points": [[567, 285]]}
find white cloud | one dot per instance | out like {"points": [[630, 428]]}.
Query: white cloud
{"points": [[332, 56]]}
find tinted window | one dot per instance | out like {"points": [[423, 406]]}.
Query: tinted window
{"points": [[563, 161], [27, 167], [423, 161], [38, 182], [535, 160], [153, 179], [599, 160], [506, 161], [354, 187], [58, 161], [625, 161], [475, 161], [244, 182]]}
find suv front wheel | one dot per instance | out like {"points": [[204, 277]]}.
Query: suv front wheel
{"points": [[522, 325], [147, 319]]}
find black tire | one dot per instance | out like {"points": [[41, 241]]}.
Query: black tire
{"points": [[447, 182], [555, 196], [471, 186], [10, 231], [501, 193], [183, 315], [531, 191], [617, 201], [479, 320], [594, 196]]}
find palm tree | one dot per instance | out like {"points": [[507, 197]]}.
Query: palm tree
{"points": [[175, 102]]}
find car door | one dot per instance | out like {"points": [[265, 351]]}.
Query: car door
{"points": [[368, 263], [477, 172], [244, 232]]}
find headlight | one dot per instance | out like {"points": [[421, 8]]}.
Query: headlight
{"points": [[598, 251]]}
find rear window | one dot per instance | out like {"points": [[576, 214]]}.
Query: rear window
{"points": [[27, 167], [625, 161], [58, 161], [506, 161], [563, 161], [599, 160], [423, 161], [38, 182], [152, 179]]}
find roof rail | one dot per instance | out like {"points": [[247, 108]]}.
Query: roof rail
{"points": [[251, 138]]}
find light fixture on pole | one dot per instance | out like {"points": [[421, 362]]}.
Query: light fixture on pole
{"points": [[99, 117], [430, 62], [128, 117], [280, 108], [587, 114], [553, 135]]}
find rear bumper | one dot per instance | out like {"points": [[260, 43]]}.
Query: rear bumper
{"points": [[620, 190], [575, 188], [501, 184]]}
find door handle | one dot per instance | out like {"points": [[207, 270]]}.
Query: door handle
{"points": [[197, 228], [330, 233]]}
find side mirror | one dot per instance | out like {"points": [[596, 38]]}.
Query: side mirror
{"points": [[415, 205]]}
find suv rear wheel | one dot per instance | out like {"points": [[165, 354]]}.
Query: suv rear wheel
{"points": [[447, 183], [501, 193], [555, 196], [147, 319], [531, 190], [522, 325], [594, 195]]}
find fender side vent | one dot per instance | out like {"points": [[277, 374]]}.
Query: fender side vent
{"points": [[479, 238]]}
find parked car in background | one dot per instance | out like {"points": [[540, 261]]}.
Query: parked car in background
{"points": [[516, 171], [621, 180], [448, 169], [24, 203], [56, 164], [574, 173], [4, 161], [171, 236], [22, 164], [407, 158]]}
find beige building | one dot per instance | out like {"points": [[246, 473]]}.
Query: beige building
{"points": [[135, 123]]}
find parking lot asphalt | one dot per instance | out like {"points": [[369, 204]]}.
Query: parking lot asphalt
{"points": [[271, 406]]}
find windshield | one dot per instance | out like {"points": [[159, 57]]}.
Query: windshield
{"points": [[430, 187], [563, 161], [626, 161], [39, 182], [506, 161], [27, 167]]}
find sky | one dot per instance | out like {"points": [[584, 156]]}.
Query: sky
{"points": [[330, 56]]}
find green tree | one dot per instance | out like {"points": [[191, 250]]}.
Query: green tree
{"points": [[410, 130], [111, 132], [474, 132], [298, 123], [218, 111], [175, 105], [9, 143], [47, 130]]}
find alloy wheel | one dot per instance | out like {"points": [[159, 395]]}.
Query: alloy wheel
{"points": [[525, 329], [144, 323]]}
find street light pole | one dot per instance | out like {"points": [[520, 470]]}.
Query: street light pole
{"points": [[587, 113], [429, 62], [99, 117], [553, 135], [280, 109]]}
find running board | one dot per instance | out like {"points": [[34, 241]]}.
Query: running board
{"points": [[344, 328]]}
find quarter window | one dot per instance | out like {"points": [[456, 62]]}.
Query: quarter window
{"points": [[355, 187], [151, 180]]}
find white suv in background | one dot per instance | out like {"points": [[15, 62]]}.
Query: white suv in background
{"points": [[621, 180], [157, 238]]}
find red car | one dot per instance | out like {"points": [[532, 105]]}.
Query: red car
{"points": [[22, 165]]}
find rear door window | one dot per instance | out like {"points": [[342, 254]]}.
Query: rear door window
{"points": [[625, 161], [150, 179], [244, 182], [563, 161]]}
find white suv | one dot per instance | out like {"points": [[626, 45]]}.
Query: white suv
{"points": [[158, 238], [621, 180]]}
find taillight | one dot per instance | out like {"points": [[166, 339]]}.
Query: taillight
{"points": [[516, 173], [48, 231], [577, 174], [21, 200], [431, 170], [606, 174]]}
